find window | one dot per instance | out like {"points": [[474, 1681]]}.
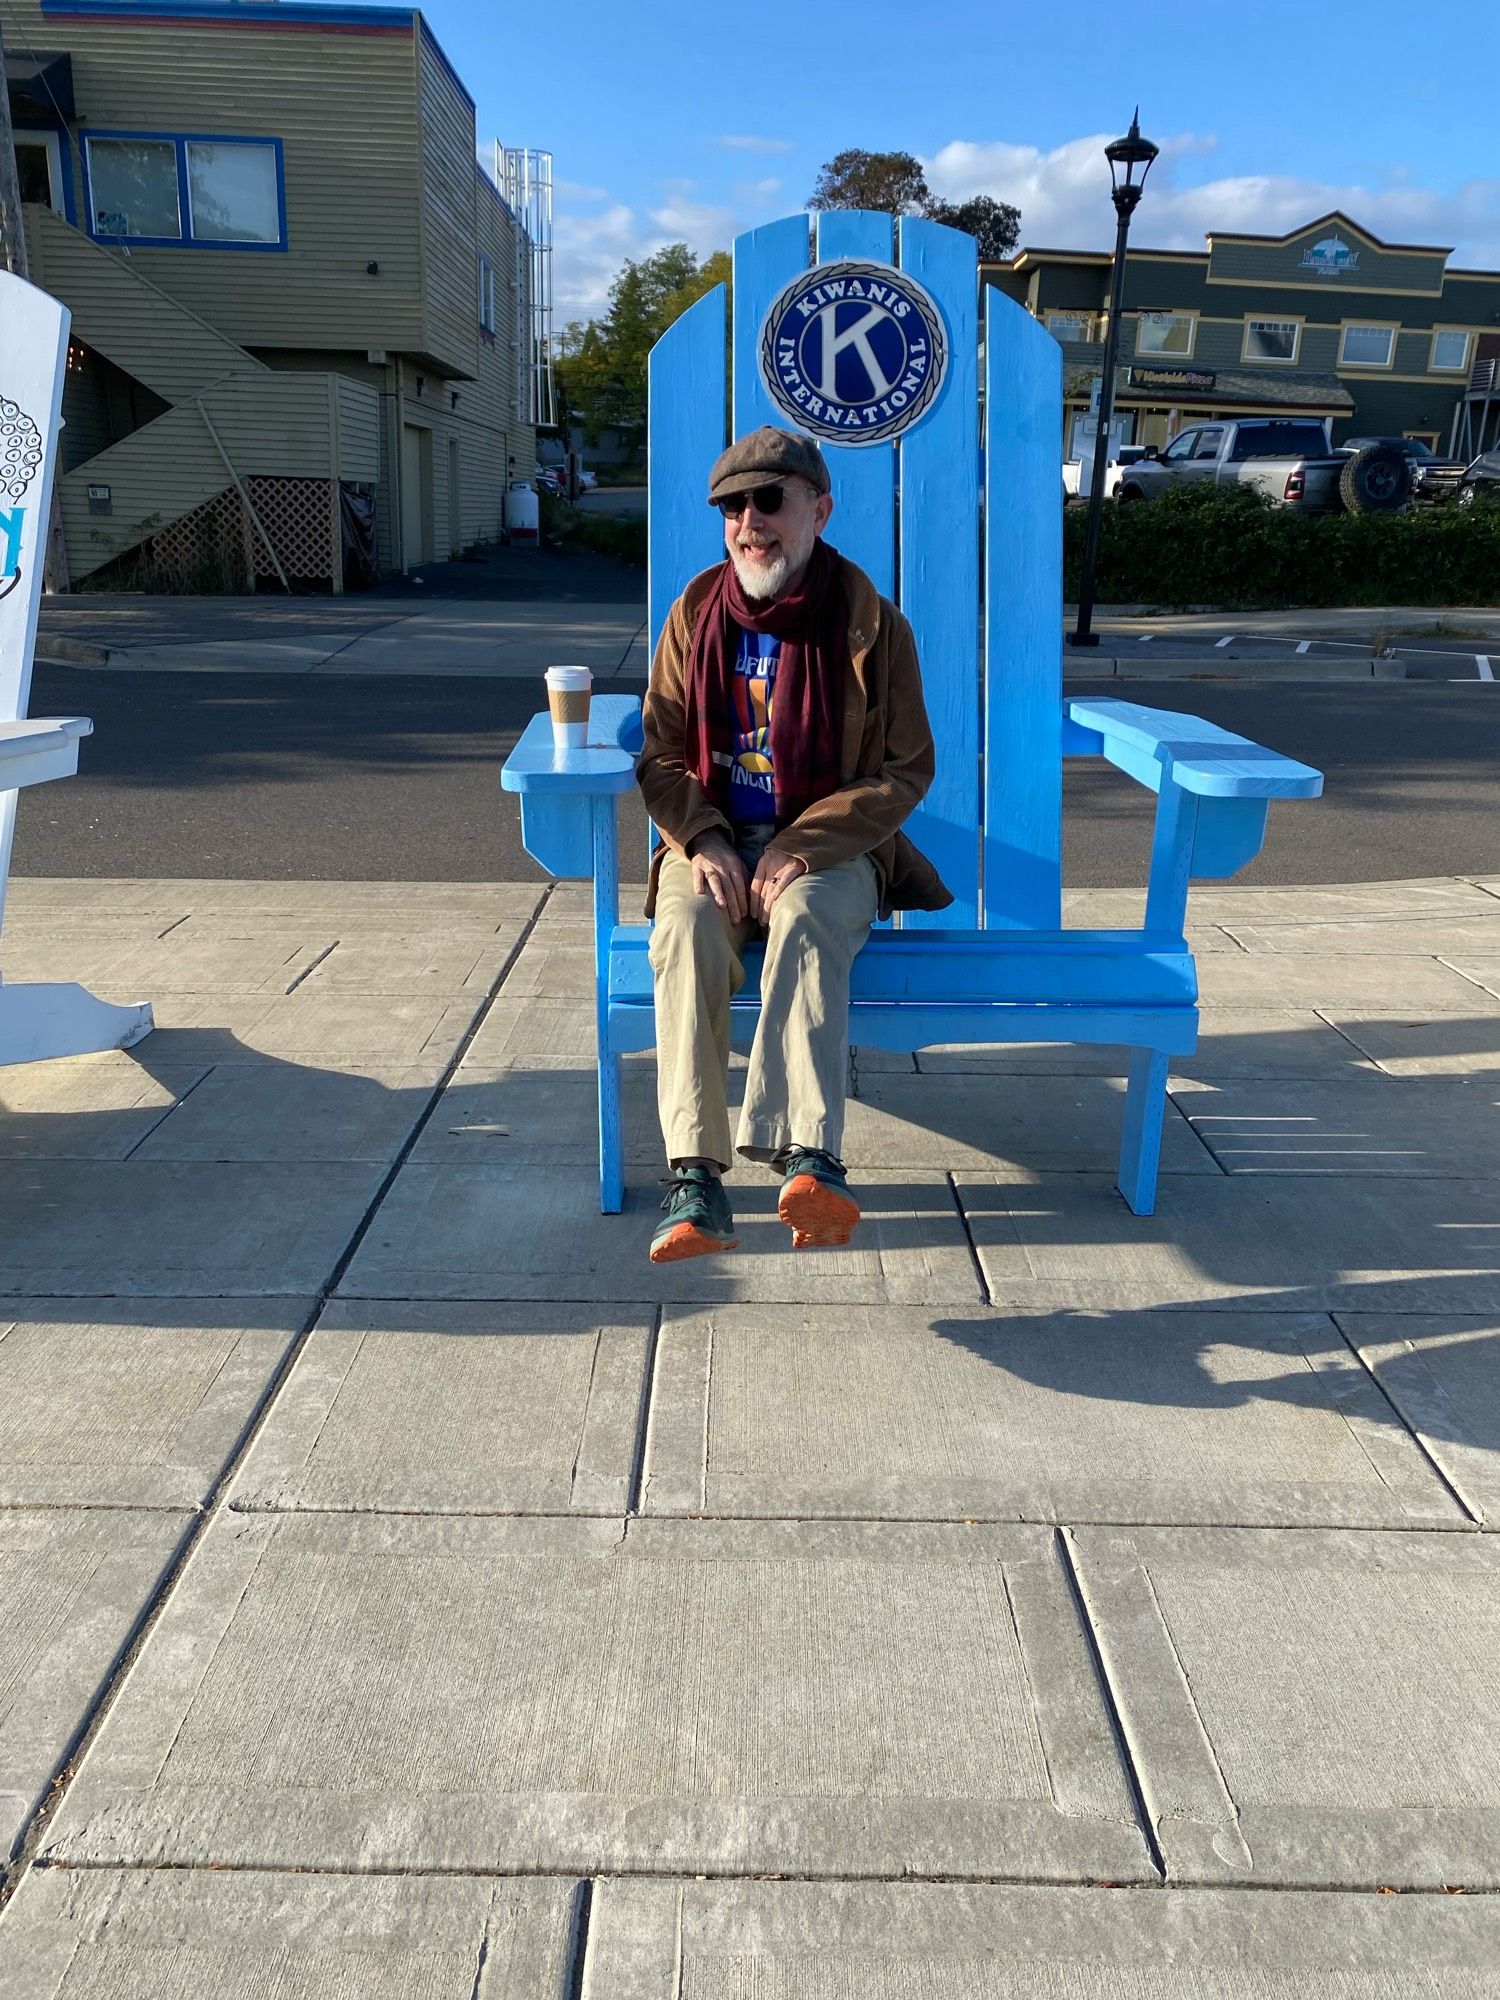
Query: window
{"points": [[1271, 339], [1180, 448], [1071, 326], [1450, 349], [1208, 443], [1286, 437], [199, 192], [486, 295], [1164, 333], [39, 168], [1367, 347]]}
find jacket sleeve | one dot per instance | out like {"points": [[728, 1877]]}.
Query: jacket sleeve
{"points": [[675, 800], [867, 811]]}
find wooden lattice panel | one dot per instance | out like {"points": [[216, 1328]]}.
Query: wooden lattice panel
{"points": [[217, 546]]}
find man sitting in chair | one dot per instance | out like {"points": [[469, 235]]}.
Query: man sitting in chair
{"points": [[786, 741]]}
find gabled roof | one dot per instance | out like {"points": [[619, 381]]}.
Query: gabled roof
{"points": [[1334, 215]]}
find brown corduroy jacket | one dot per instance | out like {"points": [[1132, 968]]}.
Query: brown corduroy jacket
{"points": [[887, 763]]}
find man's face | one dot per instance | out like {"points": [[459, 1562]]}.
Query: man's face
{"points": [[770, 551]]}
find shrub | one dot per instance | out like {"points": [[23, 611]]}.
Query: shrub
{"points": [[620, 535], [1234, 548]]}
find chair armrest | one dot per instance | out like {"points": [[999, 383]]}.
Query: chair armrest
{"points": [[34, 749], [536, 765], [1151, 743]]}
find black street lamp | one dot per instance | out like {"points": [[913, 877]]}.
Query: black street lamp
{"points": [[1124, 156]]}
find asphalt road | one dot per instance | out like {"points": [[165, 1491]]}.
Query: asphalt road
{"points": [[290, 776]]}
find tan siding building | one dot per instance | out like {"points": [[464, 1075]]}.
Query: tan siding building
{"points": [[289, 278]]}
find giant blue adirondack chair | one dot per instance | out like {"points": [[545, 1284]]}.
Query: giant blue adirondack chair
{"points": [[965, 533]]}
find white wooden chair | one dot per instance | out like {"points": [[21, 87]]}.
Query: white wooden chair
{"points": [[36, 1021]]}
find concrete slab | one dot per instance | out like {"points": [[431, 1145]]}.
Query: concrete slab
{"points": [[1352, 982], [274, 963], [1163, 1417], [1232, 1042], [314, 1029], [520, 1113], [45, 948], [438, 963], [84, 1110], [263, 1111], [1318, 1709], [1388, 937], [1443, 1375], [123, 895], [72, 1587], [1061, 1124], [1482, 970], [502, 1232], [1412, 1045], [152, 1936], [1265, 1242], [127, 1403], [552, 971], [1347, 902], [158, 1229], [1374, 1125], [473, 1409], [735, 1698], [982, 1941], [541, 1033]]}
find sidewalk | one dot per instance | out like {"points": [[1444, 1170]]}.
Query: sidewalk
{"points": [[1029, 1600]]}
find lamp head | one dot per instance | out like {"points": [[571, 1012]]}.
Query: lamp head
{"points": [[1129, 163]]}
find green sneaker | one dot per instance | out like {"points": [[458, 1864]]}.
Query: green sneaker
{"points": [[697, 1219], [815, 1202]]}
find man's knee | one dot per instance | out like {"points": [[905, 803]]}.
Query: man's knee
{"points": [[693, 925]]}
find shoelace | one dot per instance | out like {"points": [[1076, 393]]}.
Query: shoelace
{"points": [[677, 1185]]}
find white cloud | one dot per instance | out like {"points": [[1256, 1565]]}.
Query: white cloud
{"points": [[1063, 196], [758, 190], [588, 250], [751, 143]]}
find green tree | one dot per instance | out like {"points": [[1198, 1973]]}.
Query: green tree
{"points": [[601, 364], [994, 225], [854, 178]]}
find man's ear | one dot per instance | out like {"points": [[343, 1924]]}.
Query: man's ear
{"points": [[822, 509]]}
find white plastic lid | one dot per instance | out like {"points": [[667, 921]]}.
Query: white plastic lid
{"points": [[569, 680]]}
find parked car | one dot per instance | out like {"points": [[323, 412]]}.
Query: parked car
{"points": [[1432, 478], [587, 480], [1128, 454], [1288, 459], [1480, 482]]}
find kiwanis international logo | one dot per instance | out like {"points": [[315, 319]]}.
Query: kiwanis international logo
{"points": [[854, 352]]}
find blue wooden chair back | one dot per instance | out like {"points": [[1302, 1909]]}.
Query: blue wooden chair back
{"points": [[959, 519]]}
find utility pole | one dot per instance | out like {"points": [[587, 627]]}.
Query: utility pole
{"points": [[13, 254]]}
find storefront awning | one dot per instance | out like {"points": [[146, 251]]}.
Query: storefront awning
{"points": [[1183, 386]]}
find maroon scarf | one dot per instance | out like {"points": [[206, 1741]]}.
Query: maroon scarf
{"points": [[807, 713]]}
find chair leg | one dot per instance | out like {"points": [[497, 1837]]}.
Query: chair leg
{"points": [[1140, 1148], [611, 1138]]}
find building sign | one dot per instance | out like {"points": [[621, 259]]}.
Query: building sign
{"points": [[854, 353], [1330, 257], [33, 353], [1172, 378]]}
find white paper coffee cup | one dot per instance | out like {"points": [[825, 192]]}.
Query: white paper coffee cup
{"points": [[568, 693]]}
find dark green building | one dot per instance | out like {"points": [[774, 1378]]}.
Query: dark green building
{"points": [[1380, 338]]}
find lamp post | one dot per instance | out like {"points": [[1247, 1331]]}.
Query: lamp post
{"points": [[1124, 156]]}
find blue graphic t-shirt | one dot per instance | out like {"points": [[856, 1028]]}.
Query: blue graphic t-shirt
{"points": [[752, 775]]}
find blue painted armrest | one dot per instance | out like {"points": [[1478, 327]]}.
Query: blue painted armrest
{"points": [[558, 787], [1147, 743]]}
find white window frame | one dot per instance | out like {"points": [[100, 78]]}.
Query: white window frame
{"points": [[1167, 354], [1271, 360], [1082, 320], [487, 314], [1349, 326], [28, 136], [1436, 367]]}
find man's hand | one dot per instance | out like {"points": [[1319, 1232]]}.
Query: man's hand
{"points": [[719, 872], [773, 873]]}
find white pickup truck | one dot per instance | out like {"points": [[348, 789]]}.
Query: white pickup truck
{"points": [[1289, 459]]}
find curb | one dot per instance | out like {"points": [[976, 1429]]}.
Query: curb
{"points": [[55, 651], [1225, 667]]}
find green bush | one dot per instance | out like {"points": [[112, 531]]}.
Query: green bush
{"points": [[1233, 548], [621, 535]]}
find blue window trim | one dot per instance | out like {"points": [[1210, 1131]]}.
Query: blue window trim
{"points": [[186, 241]]}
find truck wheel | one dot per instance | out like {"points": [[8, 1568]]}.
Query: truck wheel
{"points": [[1130, 493], [1468, 496], [1376, 480]]}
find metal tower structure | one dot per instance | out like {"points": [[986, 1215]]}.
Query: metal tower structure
{"points": [[524, 176]]}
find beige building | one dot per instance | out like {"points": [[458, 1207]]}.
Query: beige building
{"points": [[294, 291]]}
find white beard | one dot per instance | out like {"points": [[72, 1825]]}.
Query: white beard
{"points": [[767, 580]]}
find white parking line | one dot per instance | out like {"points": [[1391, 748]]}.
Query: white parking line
{"points": [[1486, 671], [1146, 638], [1225, 642], [1303, 644]]}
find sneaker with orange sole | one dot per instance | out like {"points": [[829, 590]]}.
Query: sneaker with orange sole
{"points": [[697, 1221], [815, 1202]]}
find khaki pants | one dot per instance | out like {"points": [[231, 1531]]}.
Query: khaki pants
{"points": [[799, 1062]]}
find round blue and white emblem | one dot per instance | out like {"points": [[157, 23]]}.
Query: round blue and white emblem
{"points": [[854, 353]]}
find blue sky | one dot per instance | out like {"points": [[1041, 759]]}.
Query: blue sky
{"points": [[672, 121]]}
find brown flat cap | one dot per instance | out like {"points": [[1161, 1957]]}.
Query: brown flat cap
{"points": [[768, 454]]}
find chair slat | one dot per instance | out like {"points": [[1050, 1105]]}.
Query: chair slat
{"points": [[939, 581], [686, 402], [864, 478], [1023, 635], [764, 260]]}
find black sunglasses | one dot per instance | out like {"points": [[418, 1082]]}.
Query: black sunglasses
{"points": [[767, 500]]}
